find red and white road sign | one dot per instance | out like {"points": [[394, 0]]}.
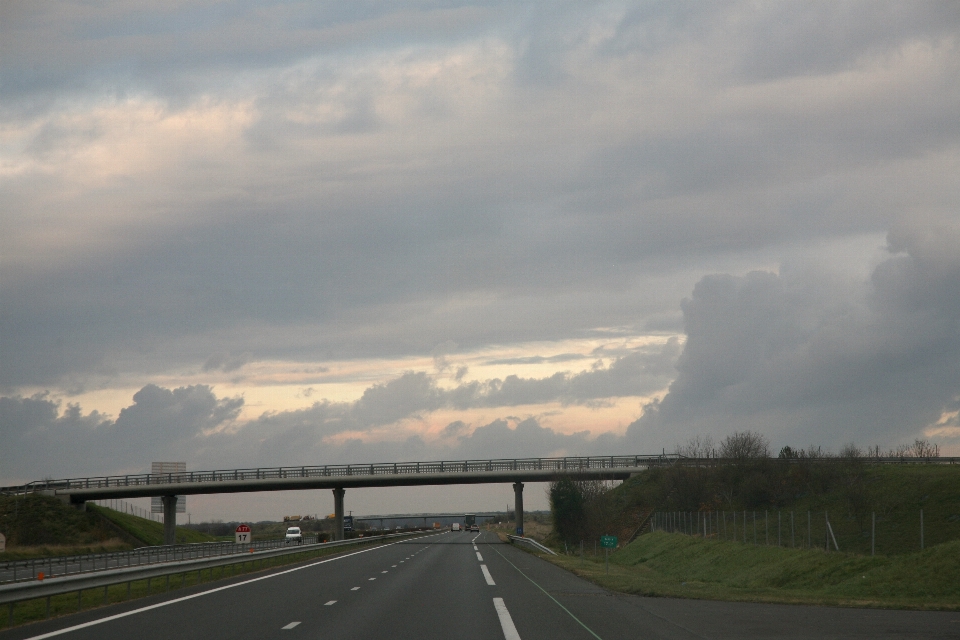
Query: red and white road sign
{"points": [[243, 535]]}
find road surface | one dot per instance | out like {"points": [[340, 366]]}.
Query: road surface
{"points": [[458, 586]]}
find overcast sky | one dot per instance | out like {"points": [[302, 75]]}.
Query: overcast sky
{"points": [[285, 233]]}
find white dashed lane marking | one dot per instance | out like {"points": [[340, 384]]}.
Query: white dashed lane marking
{"points": [[330, 603], [291, 625], [355, 589], [371, 578], [487, 576], [506, 622], [479, 557], [383, 572]]}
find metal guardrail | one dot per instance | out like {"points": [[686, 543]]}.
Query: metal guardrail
{"points": [[12, 593], [27, 570], [533, 543], [572, 464]]}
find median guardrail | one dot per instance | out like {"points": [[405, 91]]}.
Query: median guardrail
{"points": [[26, 570], [21, 591]]}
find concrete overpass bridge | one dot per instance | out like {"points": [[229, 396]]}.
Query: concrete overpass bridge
{"points": [[339, 478]]}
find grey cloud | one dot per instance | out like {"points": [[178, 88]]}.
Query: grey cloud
{"points": [[226, 362], [161, 423], [807, 358]]}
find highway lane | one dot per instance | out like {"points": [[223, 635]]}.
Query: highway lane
{"points": [[435, 587]]}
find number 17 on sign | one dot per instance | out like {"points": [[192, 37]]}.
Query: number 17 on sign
{"points": [[243, 535]]}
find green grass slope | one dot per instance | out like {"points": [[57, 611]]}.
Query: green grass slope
{"points": [[676, 565], [148, 531], [849, 492], [37, 521]]}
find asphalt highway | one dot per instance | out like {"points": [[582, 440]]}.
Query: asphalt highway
{"points": [[458, 586]]}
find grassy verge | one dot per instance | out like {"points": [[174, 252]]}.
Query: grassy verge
{"points": [[674, 565], [148, 531], [69, 603]]}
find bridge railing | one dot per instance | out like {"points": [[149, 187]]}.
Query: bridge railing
{"points": [[569, 463], [572, 464]]}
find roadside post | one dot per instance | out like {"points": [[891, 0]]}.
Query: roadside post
{"points": [[608, 542], [243, 535]]}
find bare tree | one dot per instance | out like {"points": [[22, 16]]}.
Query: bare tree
{"points": [[698, 447], [850, 451], [742, 445], [919, 449]]}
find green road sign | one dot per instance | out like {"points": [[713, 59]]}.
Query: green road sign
{"points": [[608, 542]]}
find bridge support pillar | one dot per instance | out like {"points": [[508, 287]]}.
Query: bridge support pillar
{"points": [[338, 513], [169, 519], [518, 506]]}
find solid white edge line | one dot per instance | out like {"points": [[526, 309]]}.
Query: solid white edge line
{"points": [[93, 623], [487, 576], [506, 622], [290, 626]]}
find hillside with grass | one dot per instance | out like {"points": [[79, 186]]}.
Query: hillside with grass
{"points": [[782, 497], [739, 484], [756, 528], [147, 531], [40, 526], [675, 565]]}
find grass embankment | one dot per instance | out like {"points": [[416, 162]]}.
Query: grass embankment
{"points": [[849, 491], [69, 603], [42, 526], [148, 531], [675, 565]]}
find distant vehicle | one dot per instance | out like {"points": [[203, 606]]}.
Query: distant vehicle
{"points": [[469, 520], [291, 518], [348, 523], [455, 526], [436, 525], [475, 527], [293, 535]]}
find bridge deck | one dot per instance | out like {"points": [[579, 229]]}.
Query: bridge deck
{"points": [[344, 476]]}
